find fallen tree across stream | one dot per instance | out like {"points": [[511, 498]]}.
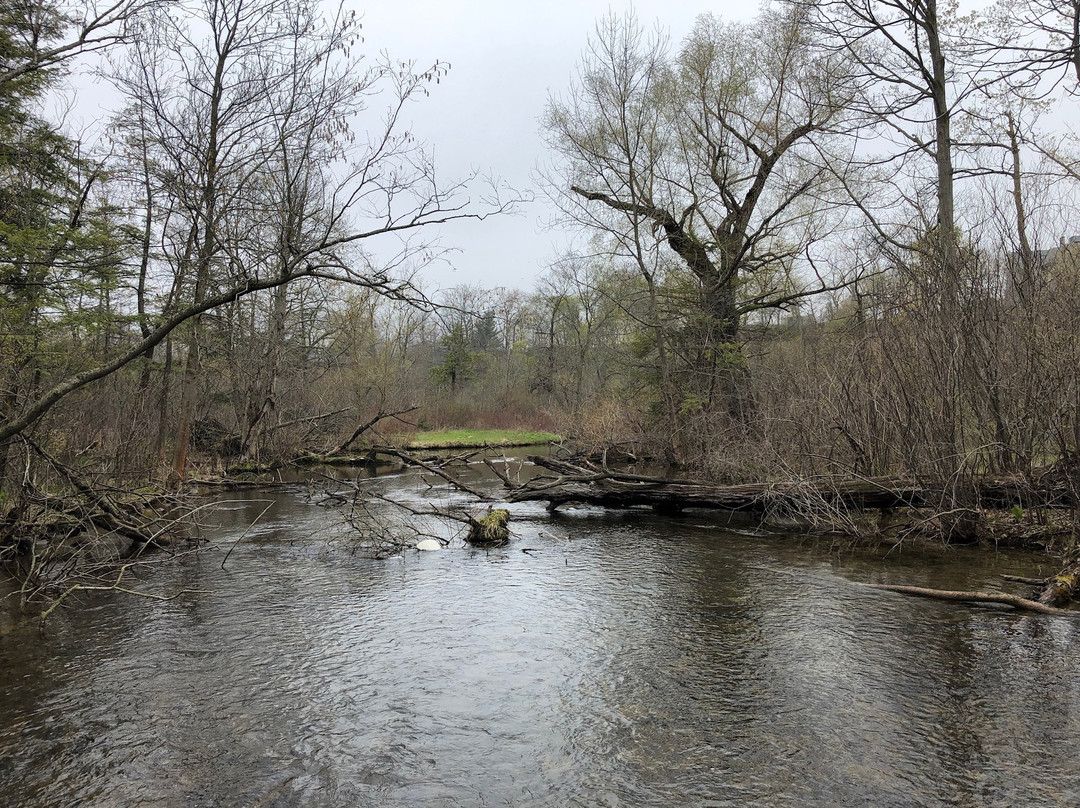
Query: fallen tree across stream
{"points": [[587, 483], [822, 502]]}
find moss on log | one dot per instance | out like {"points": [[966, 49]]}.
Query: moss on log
{"points": [[491, 528], [1063, 588]]}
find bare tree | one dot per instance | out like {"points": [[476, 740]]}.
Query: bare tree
{"points": [[915, 65], [46, 34], [1042, 36], [707, 152]]}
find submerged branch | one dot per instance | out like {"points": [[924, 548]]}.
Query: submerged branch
{"points": [[412, 460], [1015, 601]]}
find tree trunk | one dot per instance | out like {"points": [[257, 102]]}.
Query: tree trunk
{"points": [[938, 87], [264, 401]]}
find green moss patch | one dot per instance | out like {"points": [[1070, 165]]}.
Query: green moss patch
{"points": [[477, 438]]}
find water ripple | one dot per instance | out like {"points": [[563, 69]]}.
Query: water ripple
{"points": [[626, 660]]}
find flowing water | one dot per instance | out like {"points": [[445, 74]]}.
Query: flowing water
{"points": [[600, 659]]}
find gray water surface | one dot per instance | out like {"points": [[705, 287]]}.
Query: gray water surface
{"points": [[627, 659]]}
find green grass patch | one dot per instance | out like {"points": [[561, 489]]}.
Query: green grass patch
{"points": [[474, 438]]}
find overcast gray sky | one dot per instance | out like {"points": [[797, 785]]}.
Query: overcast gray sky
{"points": [[506, 59]]}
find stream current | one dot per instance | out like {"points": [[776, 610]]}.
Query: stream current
{"points": [[600, 659]]}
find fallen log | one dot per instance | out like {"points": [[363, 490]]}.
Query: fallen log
{"points": [[593, 485], [1024, 579], [1015, 601], [614, 489]]}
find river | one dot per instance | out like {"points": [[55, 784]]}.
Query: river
{"points": [[601, 659]]}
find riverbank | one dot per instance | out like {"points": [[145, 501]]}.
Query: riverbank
{"points": [[872, 513]]}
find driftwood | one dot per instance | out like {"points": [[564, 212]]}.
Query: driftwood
{"points": [[506, 481], [601, 486], [1017, 602], [225, 484], [1024, 579]]}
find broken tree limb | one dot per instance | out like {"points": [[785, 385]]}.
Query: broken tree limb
{"points": [[1023, 579], [360, 430], [309, 419], [1015, 601], [412, 460], [506, 481], [113, 587], [489, 528]]}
